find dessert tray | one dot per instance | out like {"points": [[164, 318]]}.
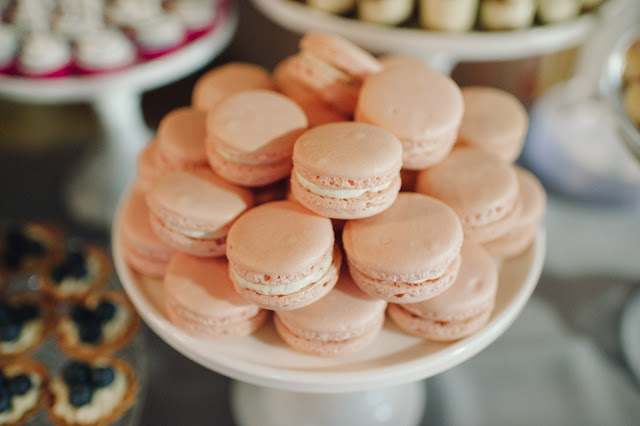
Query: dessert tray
{"points": [[629, 336]]}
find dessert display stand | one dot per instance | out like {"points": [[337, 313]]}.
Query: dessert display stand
{"points": [[94, 187], [381, 385], [443, 50]]}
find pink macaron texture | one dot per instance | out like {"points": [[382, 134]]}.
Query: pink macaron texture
{"points": [[408, 253], [482, 189], [344, 321], [180, 140], [419, 105], [282, 256], [534, 199], [200, 299], [146, 165], [494, 121], [346, 170], [142, 249], [461, 310], [250, 137], [227, 80], [192, 211]]}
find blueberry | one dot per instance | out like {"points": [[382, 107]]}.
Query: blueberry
{"points": [[34, 248], [12, 258], [26, 312], [10, 332], [90, 331], [19, 385], [5, 315], [80, 394], [3, 379], [76, 373], [105, 311], [5, 400], [80, 314], [102, 376], [58, 273]]}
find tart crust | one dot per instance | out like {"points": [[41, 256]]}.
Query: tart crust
{"points": [[30, 366], [46, 313]]}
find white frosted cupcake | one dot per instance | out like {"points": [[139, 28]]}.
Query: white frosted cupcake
{"points": [[127, 13], [388, 12], [44, 55], [104, 50], [448, 15], [550, 11], [507, 14], [198, 16], [161, 34], [332, 6]]}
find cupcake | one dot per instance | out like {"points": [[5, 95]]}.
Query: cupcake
{"points": [[507, 14], [25, 246], [23, 386], [96, 393], [24, 323], [448, 15], [97, 327], [385, 12], [75, 274]]}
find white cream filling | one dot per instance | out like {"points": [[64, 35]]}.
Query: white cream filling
{"points": [[70, 285], [20, 404], [111, 330], [31, 332], [338, 193], [284, 289], [102, 404], [196, 234]]}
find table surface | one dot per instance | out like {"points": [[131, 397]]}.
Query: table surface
{"points": [[179, 390]]}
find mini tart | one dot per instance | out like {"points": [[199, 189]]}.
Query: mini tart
{"points": [[35, 397], [25, 246], [61, 412], [68, 287], [114, 332], [33, 331]]}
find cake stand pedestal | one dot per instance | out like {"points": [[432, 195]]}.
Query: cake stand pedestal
{"points": [[443, 50], [381, 385], [94, 188]]}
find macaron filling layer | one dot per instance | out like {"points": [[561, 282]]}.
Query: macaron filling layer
{"points": [[338, 193], [197, 233]]}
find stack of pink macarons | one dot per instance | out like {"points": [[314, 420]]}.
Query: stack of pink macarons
{"points": [[337, 189]]}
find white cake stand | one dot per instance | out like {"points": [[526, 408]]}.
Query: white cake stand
{"points": [[276, 385], [442, 50], [95, 187]]}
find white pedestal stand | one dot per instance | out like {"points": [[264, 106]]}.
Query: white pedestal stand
{"points": [[95, 187]]}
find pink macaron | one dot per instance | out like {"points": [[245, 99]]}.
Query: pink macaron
{"points": [[147, 169], [344, 321], [227, 80], [408, 253], [250, 137], [463, 309], [534, 200], [482, 189], [346, 170], [192, 211], [419, 105], [494, 121], [282, 256], [181, 135], [142, 249], [201, 300]]}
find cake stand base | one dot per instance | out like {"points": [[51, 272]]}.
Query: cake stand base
{"points": [[394, 406]]}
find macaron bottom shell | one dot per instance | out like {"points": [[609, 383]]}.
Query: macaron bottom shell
{"points": [[513, 243], [144, 264], [205, 247], [199, 326]]}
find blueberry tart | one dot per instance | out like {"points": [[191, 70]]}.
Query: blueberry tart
{"points": [[25, 246], [23, 385], [95, 393], [25, 321], [98, 326], [76, 274]]}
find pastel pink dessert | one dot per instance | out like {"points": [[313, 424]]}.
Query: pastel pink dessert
{"points": [[343, 322], [142, 249], [480, 187], [192, 211], [346, 170], [463, 309], [147, 166], [419, 105], [181, 140], [519, 238], [408, 253], [250, 137], [494, 121], [227, 80], [200, 299], [282, 256]]}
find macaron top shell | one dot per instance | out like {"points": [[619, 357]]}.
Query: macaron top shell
{"points": [[418, 236], [181, 135], [533, 196], [280, 237], [349, 150], [136, 227], [256, 124], [472, 292], [226, 80], [203, 285], [479, 186], [199, 198], [412, 101]]}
